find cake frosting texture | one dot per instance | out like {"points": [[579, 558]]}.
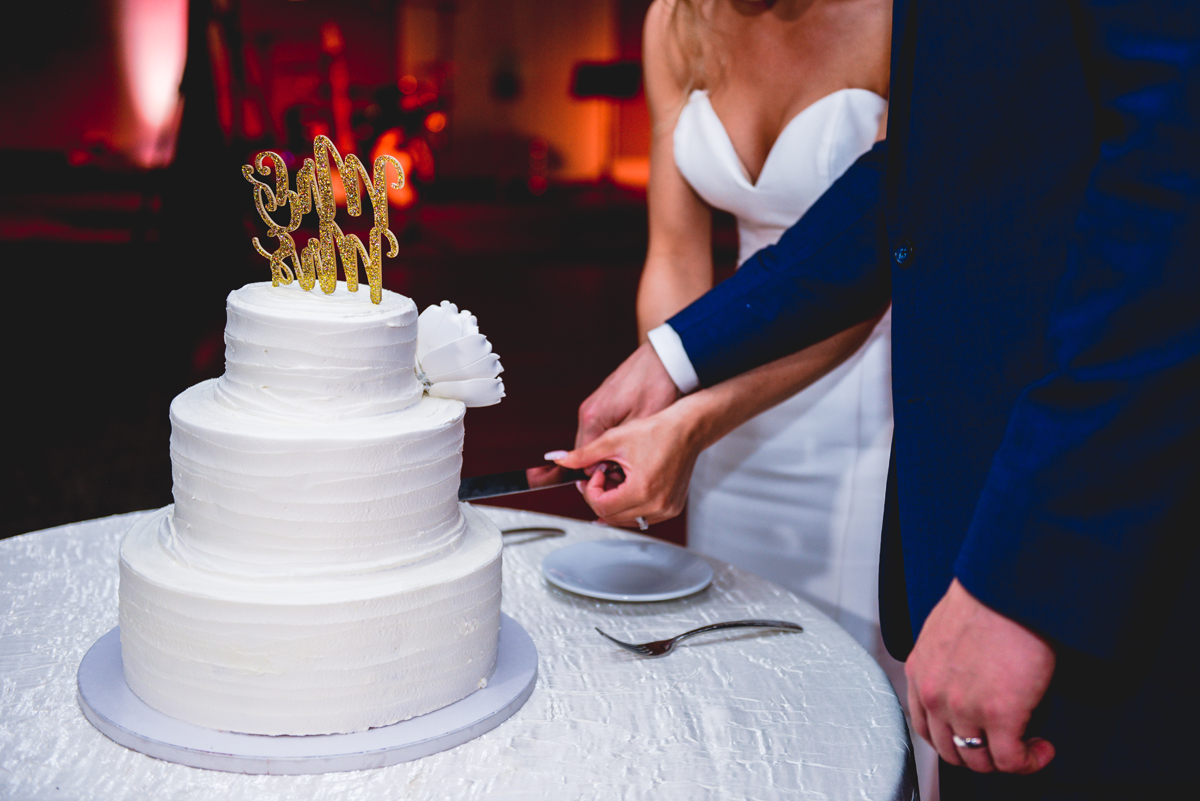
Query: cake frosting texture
{"points": [[316, 573], [310, 355]]}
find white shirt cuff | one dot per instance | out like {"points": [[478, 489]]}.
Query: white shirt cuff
{"points": [[669, 348]]}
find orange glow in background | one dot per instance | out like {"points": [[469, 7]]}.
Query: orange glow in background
{"points": [[435, 122], [388, 144]]}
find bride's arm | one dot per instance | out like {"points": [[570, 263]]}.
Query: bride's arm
{"points": [[657, 453], [679, 265]]}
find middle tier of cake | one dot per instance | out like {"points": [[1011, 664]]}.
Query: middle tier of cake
{"points": [[261, 496]]}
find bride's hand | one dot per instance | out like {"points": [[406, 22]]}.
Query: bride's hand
{"points": [[656, 454]]}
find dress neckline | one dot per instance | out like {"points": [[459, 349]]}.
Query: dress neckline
{"points": [[745, 173]]}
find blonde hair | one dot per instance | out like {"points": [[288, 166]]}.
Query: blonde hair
{"points": [[691, 27]]}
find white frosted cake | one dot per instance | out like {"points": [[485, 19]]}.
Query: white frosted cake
{"points": [[316, 573]]}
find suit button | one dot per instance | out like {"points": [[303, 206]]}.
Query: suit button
{"points": [[903, 253]]}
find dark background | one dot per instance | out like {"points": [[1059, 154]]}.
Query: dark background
{"points": [[529, 211]]}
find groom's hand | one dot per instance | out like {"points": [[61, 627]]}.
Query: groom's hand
{"points": [[638, 388], [975, 673]]}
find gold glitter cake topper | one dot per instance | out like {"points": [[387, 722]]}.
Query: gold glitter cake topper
{"points": [[317, 262]]}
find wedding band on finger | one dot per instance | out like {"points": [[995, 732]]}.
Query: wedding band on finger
{"points": [[968, 742], [642, 524]]}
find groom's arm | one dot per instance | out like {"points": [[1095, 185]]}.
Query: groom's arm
{"points": [[1088, 505], [826, 273], [1087, 525]]}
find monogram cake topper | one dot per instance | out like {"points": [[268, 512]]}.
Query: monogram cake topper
{"points": [[317, 262]]}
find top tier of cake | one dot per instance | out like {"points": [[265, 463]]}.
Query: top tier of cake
{"points": [[304, 354]]}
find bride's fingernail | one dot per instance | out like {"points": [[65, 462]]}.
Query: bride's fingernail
{"points": [[580, 485], [552, 455]]}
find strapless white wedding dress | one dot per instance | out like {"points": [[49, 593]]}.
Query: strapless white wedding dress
{"points": [[796, 495]]}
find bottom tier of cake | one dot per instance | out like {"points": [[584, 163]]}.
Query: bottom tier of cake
{"points": [[310, 655]]}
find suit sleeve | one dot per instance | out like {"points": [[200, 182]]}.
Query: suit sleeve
{"points": [[1087, 518], [825, 274]]}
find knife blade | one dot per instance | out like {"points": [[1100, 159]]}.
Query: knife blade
{"points": [[514, 481]]}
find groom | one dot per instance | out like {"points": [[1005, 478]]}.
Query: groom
{"points": [[1035, 219]]}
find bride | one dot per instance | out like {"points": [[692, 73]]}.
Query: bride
{"points": [[757, 107]]}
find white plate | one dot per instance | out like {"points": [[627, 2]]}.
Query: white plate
{"points": [[627, 570]]}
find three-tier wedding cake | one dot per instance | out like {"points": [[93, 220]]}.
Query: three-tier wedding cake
{"points": [[316, 573]]}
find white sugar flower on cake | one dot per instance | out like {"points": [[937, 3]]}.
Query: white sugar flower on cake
{"points": [[454, 360]]}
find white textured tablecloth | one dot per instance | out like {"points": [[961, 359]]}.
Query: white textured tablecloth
{"points": [[740, 714]]}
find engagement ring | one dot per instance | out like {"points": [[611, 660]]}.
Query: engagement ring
{"points": [[642, 524], [968, 742]]}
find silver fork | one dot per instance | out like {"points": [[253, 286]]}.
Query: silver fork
{"points": [[663, 647]]}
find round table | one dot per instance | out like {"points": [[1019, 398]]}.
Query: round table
{"points": [[737, 714]]}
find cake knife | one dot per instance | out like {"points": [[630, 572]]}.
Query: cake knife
{"points": [[514, 481]]}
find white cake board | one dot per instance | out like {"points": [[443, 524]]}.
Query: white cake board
{"points": [[120, 715]]}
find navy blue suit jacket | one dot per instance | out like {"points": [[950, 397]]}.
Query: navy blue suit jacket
{"points": [[1035, 218]]}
